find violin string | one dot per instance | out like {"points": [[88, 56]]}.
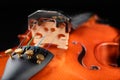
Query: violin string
{"points": [[40, 39], [28, 44], [43, 38], [23, 40], [39, 43], [25, 37], [33, 38], [30, 41]]}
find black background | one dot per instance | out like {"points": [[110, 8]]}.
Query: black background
{"points": [[13, 15]]}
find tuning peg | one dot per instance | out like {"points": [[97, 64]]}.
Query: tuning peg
{"points": [[29, 53], [19, 51], [9, 52], [40, 58]]}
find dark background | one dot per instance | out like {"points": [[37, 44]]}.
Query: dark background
{"points": [[13, 15]]}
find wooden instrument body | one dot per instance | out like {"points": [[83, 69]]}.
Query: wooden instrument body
{"points": [[65, 64]]}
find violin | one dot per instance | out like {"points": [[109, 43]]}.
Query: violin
{"points": [[53, 48]]}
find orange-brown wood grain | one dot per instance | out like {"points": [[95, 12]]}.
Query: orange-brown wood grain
{"points": [[65, 64]]}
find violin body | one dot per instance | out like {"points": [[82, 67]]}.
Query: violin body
{"points": [[92, 54]]}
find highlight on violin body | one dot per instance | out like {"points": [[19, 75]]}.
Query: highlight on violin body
{"points": [[57, 47]]}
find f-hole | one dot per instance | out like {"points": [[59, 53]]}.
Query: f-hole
{"points": [[82, 54], [80, 60]]}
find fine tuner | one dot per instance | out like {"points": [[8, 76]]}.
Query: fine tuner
{"points": [[26, 58], [33, 54], [50, 51], [57, 23]]}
